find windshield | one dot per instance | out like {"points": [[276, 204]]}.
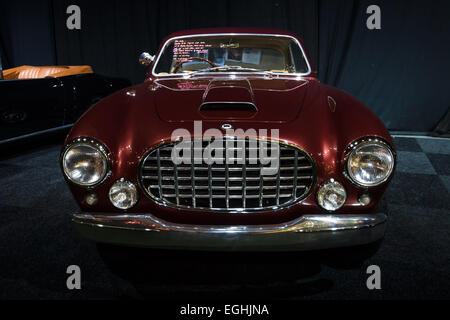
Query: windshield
{"points": [[231, 53]]}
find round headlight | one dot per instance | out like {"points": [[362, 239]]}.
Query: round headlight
{"points": [[84, 164], [332, 195], [123, 194], [370, 163]]}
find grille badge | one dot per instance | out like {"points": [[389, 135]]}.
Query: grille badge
{"points": [[227, 126]]}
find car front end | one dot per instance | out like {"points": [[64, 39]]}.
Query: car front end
{"points": [[230, 159]]}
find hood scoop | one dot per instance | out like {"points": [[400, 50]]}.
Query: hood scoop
{"points": [[233, 91], [231, 99]]}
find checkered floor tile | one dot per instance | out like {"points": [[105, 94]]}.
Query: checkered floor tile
{"points": [[424, 163]]}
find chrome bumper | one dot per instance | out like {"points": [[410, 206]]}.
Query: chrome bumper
{"points": [[309, 232]]}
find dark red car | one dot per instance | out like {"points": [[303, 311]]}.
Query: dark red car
{"points": [[230, 143]]}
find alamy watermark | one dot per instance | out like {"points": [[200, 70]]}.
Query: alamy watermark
{"points": [[74, 280], [263, 149], [374, 280], [374, 20], [73, 21]]}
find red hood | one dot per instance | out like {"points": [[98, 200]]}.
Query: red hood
{"points": [[272, 100]]}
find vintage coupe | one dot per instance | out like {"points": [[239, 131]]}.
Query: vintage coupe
{"points": [[43, 99], [335, 157]]}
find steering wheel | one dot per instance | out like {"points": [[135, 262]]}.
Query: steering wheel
{"points": [[180, 63]]}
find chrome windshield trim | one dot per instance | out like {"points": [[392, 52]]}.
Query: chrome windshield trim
{"points": [[233, 34]]}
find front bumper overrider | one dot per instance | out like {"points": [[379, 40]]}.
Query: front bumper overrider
{"points": [[309, 232]]}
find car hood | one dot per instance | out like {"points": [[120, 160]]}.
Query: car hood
{"points": [[240, 99]]}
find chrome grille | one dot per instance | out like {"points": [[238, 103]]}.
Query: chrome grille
{"points": [[228, 187]]}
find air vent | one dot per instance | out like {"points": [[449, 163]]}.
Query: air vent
{"points": [[231, 106]]}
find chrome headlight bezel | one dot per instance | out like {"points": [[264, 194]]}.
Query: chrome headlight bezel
{"points": [[364, 142], [92, 143]]}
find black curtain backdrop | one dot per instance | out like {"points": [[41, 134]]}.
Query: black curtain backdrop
{"points": [[26, 33], [400, 71], [114, 33]]}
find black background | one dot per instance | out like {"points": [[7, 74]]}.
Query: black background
{"points": [[400, 71]]}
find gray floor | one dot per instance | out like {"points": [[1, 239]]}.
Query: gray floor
{"points": [[37, 243]]}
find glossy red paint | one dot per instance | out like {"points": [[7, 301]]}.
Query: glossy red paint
{"points": [[134, 120]]}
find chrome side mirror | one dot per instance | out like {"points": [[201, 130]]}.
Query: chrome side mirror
{"points": [[146, 59]]}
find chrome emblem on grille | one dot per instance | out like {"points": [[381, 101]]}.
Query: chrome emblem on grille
{"points": [[227, 126]]}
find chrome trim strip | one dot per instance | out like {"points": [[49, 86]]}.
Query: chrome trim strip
{"points": [[310, 232], [306, 223], [228, 73]]}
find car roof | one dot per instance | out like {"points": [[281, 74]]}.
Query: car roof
{"points": [[232, 30]]}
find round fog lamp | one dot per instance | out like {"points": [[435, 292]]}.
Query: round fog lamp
{"points": [[364, 199], [123, 194], [331, 196], [91, 199]]}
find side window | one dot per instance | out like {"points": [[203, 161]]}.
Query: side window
{"points": [[299, 60], [165, 61]]}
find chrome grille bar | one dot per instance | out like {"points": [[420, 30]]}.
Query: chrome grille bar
{"points": [[192, 173], [278, 185], [229, 188], [227, 184], [261, 187], [294, 192], [244, 178], [266, 178], [177, 192], [210, 186], [159, 172]]}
